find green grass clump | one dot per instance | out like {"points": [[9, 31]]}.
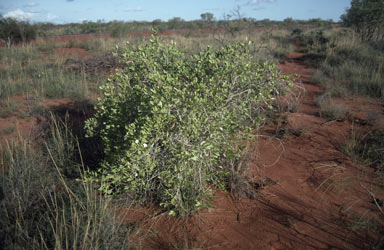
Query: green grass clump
{"points": [[351, 66], [41, 209], [370, 148], [358, 67], [332, 110]]}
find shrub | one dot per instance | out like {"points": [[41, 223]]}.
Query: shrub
{"points": [[316, 40], [366, 17], [173, 126], [296, 32], [14, 31]]}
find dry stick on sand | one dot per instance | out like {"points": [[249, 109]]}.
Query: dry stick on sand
{"points": [[372, 194]]}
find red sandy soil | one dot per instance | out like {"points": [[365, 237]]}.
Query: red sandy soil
{"points": [[315, 193], [75, 53], [21, 122], [24, 124], [67, 38]]}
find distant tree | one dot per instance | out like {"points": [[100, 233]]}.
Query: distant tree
{"points": [[235, 22], [366, 17], [208, 17], [288, 20], [88, 27], [43, 28], [175, 23], [159, 25], [156, 22], [237, 13], [14, 31]]}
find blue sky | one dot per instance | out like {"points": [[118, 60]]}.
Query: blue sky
{"points": [[64, 11]]}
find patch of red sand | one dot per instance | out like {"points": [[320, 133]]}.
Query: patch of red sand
{"points": [[315, 196], [71, 52], [24, 124], [67, 38]]}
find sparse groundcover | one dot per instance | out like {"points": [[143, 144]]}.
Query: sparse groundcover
{"points": [[368, 150], [358, 67], [174, 126], [41, 209], [349, 65], [371, 149], [331, 110]]}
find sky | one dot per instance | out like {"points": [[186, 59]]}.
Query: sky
{"points": [[67, 11]]}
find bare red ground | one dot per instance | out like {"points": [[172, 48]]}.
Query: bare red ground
{"points": [[67, 38], [312, 205], [77, 53], [22, 122]]}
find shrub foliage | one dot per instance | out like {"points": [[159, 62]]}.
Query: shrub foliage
{"points": [[174, 126], [14, 31], [367, 18]]}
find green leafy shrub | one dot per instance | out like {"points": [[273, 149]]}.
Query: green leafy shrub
{"points": [[366, 17], [174, 126]]}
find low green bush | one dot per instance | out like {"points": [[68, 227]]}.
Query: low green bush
{"points": [[315, 40], [174, 126]]}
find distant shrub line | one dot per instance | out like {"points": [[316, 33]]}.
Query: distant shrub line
{"points": [[13, 31]]}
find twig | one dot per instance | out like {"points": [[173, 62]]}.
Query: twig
{"points": [[373, 196]]}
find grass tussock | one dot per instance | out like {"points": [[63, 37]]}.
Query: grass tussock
{"points": [[368, 148], [348, 66], [331, 110], [367, 151], [35, 70], [42, 209]]}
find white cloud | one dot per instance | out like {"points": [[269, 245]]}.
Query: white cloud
{"points": [[31, 5], [19, 14], [261, 1], [51, 17], [36, 11]]}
